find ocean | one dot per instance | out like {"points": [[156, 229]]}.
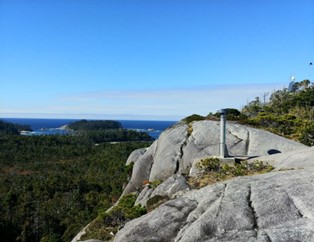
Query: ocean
{"points": [[42, 126]]}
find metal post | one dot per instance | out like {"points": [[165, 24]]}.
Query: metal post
{"points": [[222, 148]]}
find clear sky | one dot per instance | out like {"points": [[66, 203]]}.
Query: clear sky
{"points": [[140, 59]]}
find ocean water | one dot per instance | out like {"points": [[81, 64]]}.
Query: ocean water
{"points": [[52, 126]]}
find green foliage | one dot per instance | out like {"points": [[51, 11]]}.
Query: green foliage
{"points": [[52, 186], [232, 114], [209, 164], [7, 128], [214, 171], [155, 183], [193, 117], [106, 131], [108, 223], [94, 125], [288, 113], [156, 201], [114, 135]]}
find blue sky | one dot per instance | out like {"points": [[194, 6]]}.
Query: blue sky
{"points": [[158, 59]]}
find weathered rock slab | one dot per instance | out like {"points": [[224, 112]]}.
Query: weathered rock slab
{"points": [[177, 148], [241, 141], [168, 188], [161, 224], [135, 155], [276, 206], [298, 159]]}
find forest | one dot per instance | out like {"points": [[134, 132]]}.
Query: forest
{"points": [[52, 186]]}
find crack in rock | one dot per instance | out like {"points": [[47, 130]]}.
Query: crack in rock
{"points": [[155, 151], [301, 215], [247, 144], [180, 156], [250, 204], [221, 199]]}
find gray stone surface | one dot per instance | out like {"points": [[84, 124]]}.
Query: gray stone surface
{"points": [[144, 196], [272, 207], [176, 149], [241, 141], [168, 188], [161, 224], [135, 155], [141, 170], [298, 159], [168, 152], [276, 206], [160, 161], [93, 240]]}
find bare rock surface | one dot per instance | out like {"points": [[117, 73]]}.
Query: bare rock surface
{"points": [[161, 159], [272, 207], [177, 148], [168, 188], [298, 159], [241, 141], [162, 224], [135, 155], [277, 206]]}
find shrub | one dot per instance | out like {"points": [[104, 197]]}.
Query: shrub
{"points": [[108, 223], [155, 202], [214, 171], [193, 117]]}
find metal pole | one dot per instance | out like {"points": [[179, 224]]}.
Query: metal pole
{"points": [[222, 148]]}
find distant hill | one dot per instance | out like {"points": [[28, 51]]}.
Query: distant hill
{"points": [[94, 125], [7, 128]]}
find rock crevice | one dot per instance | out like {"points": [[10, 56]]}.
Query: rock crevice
{"points": [[251, 206]]}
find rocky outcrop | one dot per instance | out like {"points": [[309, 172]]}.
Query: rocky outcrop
{"points": [[161, 159], [178, 147], [298, 159], [135, 155], [168, 188], [272, 207], [276, 206], [151, 227]]}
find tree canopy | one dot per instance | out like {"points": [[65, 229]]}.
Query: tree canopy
{"points": [[289, 113]]}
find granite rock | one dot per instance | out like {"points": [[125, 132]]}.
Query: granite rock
{"points": [[276, 206]]}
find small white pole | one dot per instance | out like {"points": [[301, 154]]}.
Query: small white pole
{"points": [[222, 148]]}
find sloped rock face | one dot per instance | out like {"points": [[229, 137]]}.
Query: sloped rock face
{"points": [[177, 148], [135, 155], [168, 188], [151, 227], [241, 141], [272, 207], [161, 159], [302, 158]]}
